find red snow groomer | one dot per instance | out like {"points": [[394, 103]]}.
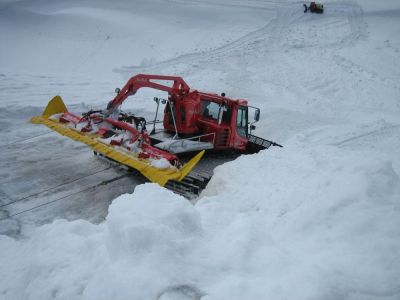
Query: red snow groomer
{"points": [[192, 121], [314, 8]]}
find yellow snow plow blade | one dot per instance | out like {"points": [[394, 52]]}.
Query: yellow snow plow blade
{"points": [[55, 106], [160, 176]]}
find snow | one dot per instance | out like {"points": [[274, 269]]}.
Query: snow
{"points": [[161, 163], [317, 219]]}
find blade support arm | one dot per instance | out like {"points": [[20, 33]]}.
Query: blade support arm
{"points": [[179, 87]]}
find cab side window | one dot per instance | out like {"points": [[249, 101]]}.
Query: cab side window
{"points": [[209, 109]]}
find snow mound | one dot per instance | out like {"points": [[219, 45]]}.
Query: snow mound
{"points": [[55, 262], [331, 234], [142, 240], [152, 220], [323, 222]]}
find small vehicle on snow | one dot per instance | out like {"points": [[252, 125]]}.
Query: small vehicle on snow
{"points": [[314, 7]]}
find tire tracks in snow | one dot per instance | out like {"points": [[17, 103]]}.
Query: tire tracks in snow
{"points": [[274, 46], [357, 70], [316, 40], [269, 37], [202, 57]]}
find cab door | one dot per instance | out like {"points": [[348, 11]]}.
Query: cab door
{"points": [[240, 136], [242, 121], [215, 119]]}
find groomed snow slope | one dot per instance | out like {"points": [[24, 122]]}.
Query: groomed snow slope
{"points": [[317, 219]]}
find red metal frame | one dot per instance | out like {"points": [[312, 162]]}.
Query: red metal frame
{"points": [[186, 109], [148, 151], [179, 86]]}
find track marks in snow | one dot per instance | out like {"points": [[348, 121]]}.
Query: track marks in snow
{"points": [[373, 137], [330, 30], [288, 40], [203, 58], [37, 90], [379, 134], [182, 292], [361, 72], [288, 27]]}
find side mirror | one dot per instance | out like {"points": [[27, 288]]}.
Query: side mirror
{"points": [[257, 115], [117, 90], [253, 127]]}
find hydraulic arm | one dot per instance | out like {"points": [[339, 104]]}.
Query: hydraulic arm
{"points": [[179, 87]]}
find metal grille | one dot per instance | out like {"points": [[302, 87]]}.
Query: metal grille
{"points": [[222, 138], [259, 141]]}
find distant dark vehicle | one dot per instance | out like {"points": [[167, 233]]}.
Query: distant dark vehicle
{"points": [[317, 8]]}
